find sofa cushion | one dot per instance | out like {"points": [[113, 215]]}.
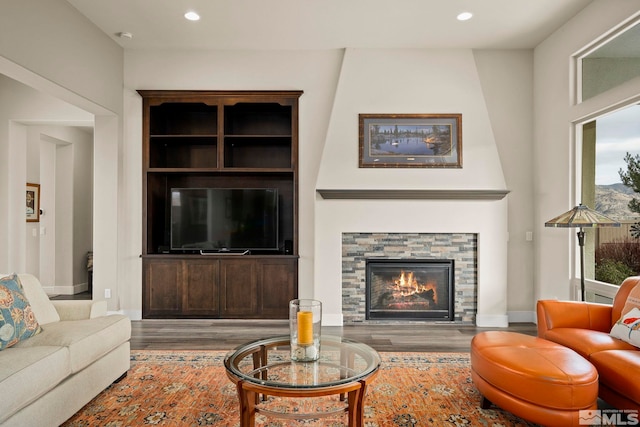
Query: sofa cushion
{"points": [[628, 327], [87, 339], [17, 320], [616, 369], [42, 307], [28, 373], [585, 341]]}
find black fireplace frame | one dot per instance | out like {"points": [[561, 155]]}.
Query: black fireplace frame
{"points": [[429, 315]]}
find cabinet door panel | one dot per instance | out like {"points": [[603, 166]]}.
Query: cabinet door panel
{"points": [[200, 292], [163, 279], [276, 279], [238, 289]]}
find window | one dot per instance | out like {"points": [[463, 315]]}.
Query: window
{"points": [[610, 63], [611, 254]]}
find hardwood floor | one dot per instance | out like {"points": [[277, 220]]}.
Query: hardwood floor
{"points": [[179, 334]]}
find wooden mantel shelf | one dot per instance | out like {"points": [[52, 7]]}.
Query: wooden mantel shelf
{"points": [[414, 194]]}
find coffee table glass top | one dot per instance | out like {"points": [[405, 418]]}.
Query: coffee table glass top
{"points": [[268, 362]]}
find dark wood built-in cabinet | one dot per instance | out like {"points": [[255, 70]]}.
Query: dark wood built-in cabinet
{"points": [[219, 140]]}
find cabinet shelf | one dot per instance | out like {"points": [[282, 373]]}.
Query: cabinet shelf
{"points": [[180, 151], [183, 118], [252, 152], [250, 118]]}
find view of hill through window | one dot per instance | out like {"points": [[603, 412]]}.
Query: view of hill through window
{"points": [[617, 253], [616, 135]]}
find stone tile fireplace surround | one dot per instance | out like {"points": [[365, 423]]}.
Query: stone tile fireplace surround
{"points": [[358, 247]]}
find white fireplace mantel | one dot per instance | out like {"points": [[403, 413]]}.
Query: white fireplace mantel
{"points": [[406, 194]]}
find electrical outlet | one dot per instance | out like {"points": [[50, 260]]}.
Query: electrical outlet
{"points": [[107, 293]]}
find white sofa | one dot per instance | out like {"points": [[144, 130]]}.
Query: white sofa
{"points": [[81, 350]]}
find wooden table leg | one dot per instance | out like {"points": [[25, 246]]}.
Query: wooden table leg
{"points": [[356, 405], [355, 413], [247, 399]]}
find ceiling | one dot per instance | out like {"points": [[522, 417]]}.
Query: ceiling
{"points": [[329, 24]]}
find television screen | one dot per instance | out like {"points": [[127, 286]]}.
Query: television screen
{"points": [[224, 219]]}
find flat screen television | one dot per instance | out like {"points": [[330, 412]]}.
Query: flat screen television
{"points": [[224, 219]]}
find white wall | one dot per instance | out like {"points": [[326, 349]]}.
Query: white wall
{"points": [[83, 196], [50, 38], [46, 233], [554, 152], [49, 46], [409, 81], [507, 85]]}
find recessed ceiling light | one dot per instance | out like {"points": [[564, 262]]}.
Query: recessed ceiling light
{"points": [[465, 16], [192, 16]]}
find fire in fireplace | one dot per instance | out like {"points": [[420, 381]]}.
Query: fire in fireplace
{"points": [[415, 289]]}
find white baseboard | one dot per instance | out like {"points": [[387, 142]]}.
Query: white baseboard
{"points": [[522, 317], [66, 290], [332, 320], [492, 320], [131, 314]]}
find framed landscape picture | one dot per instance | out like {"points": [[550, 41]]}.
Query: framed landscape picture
{"points": [[33, 202], [410, 140]]}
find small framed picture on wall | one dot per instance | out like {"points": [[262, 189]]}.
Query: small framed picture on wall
{"points": [[33, 202]]}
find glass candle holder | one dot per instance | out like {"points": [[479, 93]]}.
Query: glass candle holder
{"points": [[305, 319]]}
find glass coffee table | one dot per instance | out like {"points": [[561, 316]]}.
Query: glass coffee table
{"points": [[264, 368]]}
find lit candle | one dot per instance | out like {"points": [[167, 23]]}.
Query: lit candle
{"points": [[305, 327]]}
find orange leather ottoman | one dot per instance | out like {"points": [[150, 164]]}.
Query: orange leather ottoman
{"points": [[535, 379]]}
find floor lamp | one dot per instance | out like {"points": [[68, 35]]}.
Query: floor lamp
{"points": [[581, 216]]}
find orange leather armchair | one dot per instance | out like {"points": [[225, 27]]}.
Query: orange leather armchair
{"points": [[584, 327]]}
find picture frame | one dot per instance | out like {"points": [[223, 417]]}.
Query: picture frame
{"points": [[410, 140], [33, 202]]}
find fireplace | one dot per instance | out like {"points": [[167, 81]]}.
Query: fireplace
{"points": [[410, 289]]}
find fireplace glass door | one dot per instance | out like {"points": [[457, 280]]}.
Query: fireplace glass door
{"points": [[410, 289]]}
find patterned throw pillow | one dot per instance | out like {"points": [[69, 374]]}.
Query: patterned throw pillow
{"points": [[17, 321], [633, 300], [628, 327]]}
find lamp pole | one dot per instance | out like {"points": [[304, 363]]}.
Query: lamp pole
{"points": [[581, 244]]}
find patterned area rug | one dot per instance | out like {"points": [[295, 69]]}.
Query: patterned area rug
{"points": [[190, 388]]}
